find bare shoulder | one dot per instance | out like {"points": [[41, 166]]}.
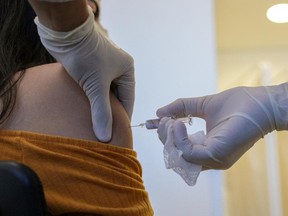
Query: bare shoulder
{"points": [[49, 101]]}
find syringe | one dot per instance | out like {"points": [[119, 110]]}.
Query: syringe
{"points": [[154, 123]]}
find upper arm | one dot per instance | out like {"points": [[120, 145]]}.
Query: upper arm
{"points": [[50, 102], [63, 16]]}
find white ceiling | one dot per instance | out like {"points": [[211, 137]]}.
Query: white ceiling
{"points": [[242, 24]]}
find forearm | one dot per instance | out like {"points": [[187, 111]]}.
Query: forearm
{"points": [[61, 16]]}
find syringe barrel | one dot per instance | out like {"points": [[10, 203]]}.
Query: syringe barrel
{"points": [[152, 123]]}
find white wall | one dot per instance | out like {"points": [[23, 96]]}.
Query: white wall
{"points": [[172, 43], [237, 65]]}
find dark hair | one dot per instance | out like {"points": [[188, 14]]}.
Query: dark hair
{"points": [[20, 48]]}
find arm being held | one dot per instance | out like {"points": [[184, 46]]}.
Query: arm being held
{"points": [[235, 120], [90, 58]]}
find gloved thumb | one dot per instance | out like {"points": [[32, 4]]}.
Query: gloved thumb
{"points": [[194, 150], [102, 119]]}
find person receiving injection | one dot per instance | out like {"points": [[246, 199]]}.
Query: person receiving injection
{"points": [[235, 120]]}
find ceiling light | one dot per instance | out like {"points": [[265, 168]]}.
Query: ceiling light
{"points": [[278, 13]]}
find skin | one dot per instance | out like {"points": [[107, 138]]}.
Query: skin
{"points": [[93, 5], [61, 16], [50, 102]]}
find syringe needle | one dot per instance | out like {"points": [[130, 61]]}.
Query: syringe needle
{"points": [[139, 125]]}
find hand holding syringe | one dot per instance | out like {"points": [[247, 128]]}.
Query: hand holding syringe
{"points": [[154, 123], [172, 155]]}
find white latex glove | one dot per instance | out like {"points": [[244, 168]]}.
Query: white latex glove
{"points": [[235, 120], [93, 61]]}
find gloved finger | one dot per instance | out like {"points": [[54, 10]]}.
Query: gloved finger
{"points": [[202, 155], [197, 154], [163, 129], [102, 118], [126, 95], [184, 107], [181, 139]]}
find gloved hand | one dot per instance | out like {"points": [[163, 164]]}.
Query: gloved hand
{"points": [[235, 120], [94, 62]]}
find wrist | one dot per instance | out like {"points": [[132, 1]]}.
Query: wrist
{"points": [[278, 96]]}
